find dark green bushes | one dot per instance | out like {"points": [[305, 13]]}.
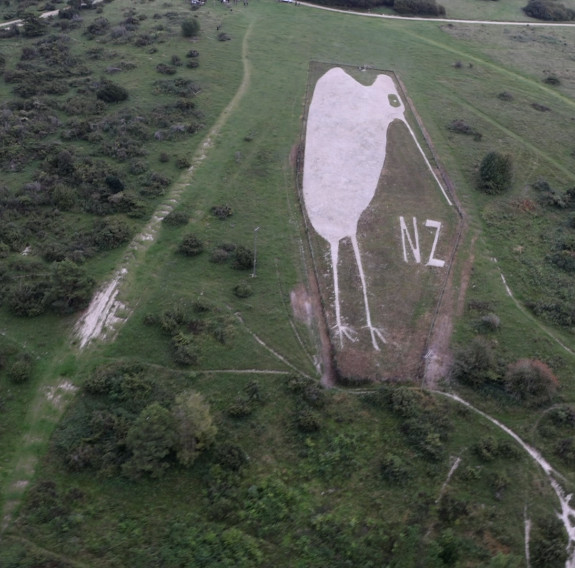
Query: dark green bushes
{"points": [[190, 27], [531, 381], [476, 364], [418, 8], [191, 245], [461, 127], [495, 173], [111, 92], [549, 10]]}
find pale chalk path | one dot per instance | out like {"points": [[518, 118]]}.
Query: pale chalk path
{"points": [[103, 316], [567, 514]]}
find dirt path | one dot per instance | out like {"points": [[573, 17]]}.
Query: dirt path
{"points": [[102, 319], [106, 313], [532, 318], [567, 514]]}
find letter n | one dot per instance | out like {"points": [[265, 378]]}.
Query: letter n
{"points": [[405, 235]]}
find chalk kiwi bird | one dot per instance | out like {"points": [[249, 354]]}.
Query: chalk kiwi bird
{"points": [[345, 149]]}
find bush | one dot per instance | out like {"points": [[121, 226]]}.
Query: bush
{"points": [[393, 469], [461, 127], [111, 233], [531, 381], [495, 173], [488, 323], [552, 80], [190, 27], [176, 219], [231, 457], [476, 364], [21, 370], [182, 163], [548, 10], [191, 245], [418, 8], [307, 421], [219, 255], [221, 211], [111, 92], [243, 290], [243, 258]]}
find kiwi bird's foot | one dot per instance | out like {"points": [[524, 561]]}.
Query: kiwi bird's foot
{"points": [[342, 331], [376, 333]]}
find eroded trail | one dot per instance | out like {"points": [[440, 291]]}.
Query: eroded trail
{"points": [[106, 312]]}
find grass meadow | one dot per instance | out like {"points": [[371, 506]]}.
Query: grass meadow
{"points": [[364, 484]]}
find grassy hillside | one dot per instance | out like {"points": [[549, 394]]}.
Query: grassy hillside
{"points": [[298, 475]]}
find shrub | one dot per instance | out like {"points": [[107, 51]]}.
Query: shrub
{"points": [[476, 364], [307, 421], [231, 457], [531, 381], [111, 92], [176, 219], [21, 370], [393, 469], [243, 258], [461, 127], [219, 255], [111, 233], [28, 298], [190, 27], [166, 69], [243, 290], [552, 80], [183, 163], [505, 96], [191, 245], [221, 211], [548, 10], [240, 408], [495, 173], [418, 8], [488, 323], [186, 350]]}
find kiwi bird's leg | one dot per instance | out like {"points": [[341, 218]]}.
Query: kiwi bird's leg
{"points": [[340, 329], [375, 332]]}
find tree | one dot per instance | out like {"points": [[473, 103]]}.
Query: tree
{"points": [[495, 173], [190, 27], [71, 287], [194, 426], [150, 439]]}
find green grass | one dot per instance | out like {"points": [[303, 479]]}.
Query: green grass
{"points": [[120, 522]]}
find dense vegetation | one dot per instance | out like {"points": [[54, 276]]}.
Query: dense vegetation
{"points": [[403, 7], [82, 149]]}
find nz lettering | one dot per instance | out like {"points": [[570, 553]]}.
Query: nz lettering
{"points": [[410, 242]]}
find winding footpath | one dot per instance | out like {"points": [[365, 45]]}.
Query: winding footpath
{"points": [[567, 514]]}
